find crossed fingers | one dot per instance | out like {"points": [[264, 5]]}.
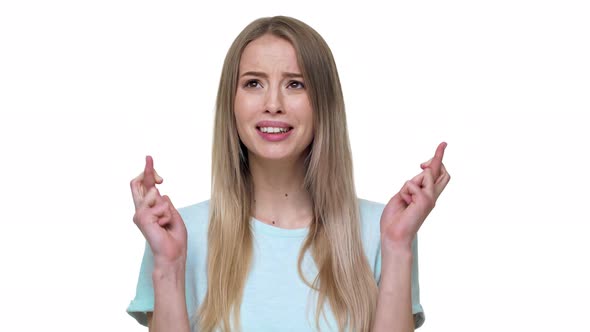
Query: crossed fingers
{"points": [[146, 180], [438, 174]]}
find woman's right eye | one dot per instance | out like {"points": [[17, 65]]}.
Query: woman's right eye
{"points": [[251, 84]]}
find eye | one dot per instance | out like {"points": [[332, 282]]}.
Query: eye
{"points": [[296, 85], [252, 84]]}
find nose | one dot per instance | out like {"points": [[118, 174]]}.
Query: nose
{"points": [[274, 100]]}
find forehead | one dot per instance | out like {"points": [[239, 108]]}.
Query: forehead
{"points": [[269, 53]]}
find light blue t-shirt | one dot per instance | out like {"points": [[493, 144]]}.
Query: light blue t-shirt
{"points": [[275, 298]]}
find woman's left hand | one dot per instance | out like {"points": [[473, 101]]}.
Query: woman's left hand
{"points": [[406, 211]]}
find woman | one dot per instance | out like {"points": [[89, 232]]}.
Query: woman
{"points": [[283, 243]]}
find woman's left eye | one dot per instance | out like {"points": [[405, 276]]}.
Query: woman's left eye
{"points": [[296, 85]]}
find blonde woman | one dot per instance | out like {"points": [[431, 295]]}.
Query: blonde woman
{"points": [[284, 244]]}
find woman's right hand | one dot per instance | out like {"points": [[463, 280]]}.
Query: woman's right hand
{"points": [[158, 219]]}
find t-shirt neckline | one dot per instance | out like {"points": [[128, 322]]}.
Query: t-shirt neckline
{"points": [[261, 227]]}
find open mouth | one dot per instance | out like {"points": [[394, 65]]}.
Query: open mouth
{"points": [[274, 130]]}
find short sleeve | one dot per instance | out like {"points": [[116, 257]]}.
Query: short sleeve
{"points": [[417, 309], [144, 293]]}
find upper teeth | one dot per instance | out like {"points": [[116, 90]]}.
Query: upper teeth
{"points": [[273, 130]]}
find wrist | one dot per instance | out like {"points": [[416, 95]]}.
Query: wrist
{"points": [[396, 271], [169, 271], [165, 263], [396, 256], [396, 248]]}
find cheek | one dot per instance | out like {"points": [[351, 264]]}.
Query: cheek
{"points": [[306, 113], [239, 116], [301, 106], [306, 119], [240, 110], [245, 106]]}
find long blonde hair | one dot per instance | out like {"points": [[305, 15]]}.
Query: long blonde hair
{"points": [[344, 278]]}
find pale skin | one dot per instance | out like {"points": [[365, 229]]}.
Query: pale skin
{"points": [[269, 88], [164, 229], [401, 218]]}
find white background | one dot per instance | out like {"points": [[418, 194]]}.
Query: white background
{"points": [[87, 89]]}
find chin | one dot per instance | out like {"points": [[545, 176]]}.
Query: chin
{"points": [[275, 156]]}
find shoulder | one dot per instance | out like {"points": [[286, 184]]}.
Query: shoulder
{"points": [[370, 211], [196, 220], [197, 210], [370, 227], [370, 217], [195, 216]]}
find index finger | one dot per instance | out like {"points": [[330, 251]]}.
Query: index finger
{"points": [[149, 176], [436, 163]]}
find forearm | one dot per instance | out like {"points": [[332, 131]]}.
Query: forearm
{"points": [[170, 313], [394, 302]]}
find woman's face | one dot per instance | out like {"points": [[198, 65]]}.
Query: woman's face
{"points": [[272, 108]]}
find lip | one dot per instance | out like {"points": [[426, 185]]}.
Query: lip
{"points": [[274, 137], [275, 124]]}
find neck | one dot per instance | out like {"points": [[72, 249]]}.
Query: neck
{"points": [[280, 198]]}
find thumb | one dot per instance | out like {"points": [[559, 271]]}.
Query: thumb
{"points": [[177, 228], [174, 215]]}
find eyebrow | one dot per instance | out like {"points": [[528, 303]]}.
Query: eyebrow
{"points": [[264, 75]]}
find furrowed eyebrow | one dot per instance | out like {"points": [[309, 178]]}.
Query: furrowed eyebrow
{"points": [[255, 73], [263, 75], [293, 75]]}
